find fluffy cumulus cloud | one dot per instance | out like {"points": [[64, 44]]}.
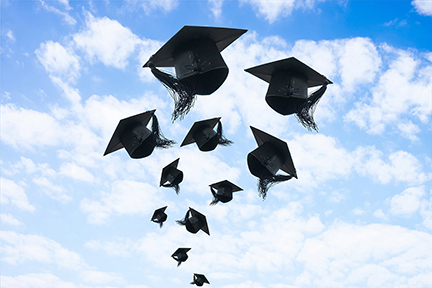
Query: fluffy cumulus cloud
{"points": [[107, 41], [35, 280], [272, 10], [407, 202], [423, 7], [9, 219], [13, 194]]}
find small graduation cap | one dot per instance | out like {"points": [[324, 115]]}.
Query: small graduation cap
{"points": [[265, 161], [171, 176], [223, 191], [194, 221], [287, 92], [180, 255], [159, 216], [195, 53], [132, 134], [203, 134], [199, 280]]}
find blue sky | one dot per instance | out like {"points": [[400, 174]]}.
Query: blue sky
{"points": [[358, 215]]}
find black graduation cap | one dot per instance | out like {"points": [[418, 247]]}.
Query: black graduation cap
{"points": [[223, 191], [199, 280], [287, 92], [265, 161], [203, 134], [132, 134], [194, 52], [159, 216], [180, 255], [194, 221], [171, 176]]}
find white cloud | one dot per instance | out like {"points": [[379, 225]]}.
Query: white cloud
{"points": [[52, 190], [10, 36], [66, 17], [216, 7], [99, 277], [407, 202], [380, 214], [107, 41], [423, 7], [13, 194], [58, 60], [35, 280], [153, 5], [76, 172], [409, 130], [9, 219], [20, 248]]}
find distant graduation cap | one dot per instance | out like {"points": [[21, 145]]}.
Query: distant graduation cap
{"points": [[288, 89], [265, 161], [223, 191], [202, 133], [199, 279], [133, 135], [195, 53], [180, 255], [159, 216], [171, 176], [194, 221]]}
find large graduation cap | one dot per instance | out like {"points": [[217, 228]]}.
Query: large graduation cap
{"points": [[194, 52], [289, 80], [194, 221], [180, 255], [171, 176], [223, 191], [265, 161], [133, 135], [202, 133], [199, 279], [159, 216]]}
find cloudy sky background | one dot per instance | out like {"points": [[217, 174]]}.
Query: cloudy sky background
{"points": [[359, 214]]}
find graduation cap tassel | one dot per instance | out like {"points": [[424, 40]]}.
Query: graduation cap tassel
{"points": [[307, 108], [183, 221], [182, 93], [158, 137], [265, 183], [176, 187], [222, 140], [178, 264], [215, 200], [160, 224]]}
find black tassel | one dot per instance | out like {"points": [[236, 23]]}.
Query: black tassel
{"points": [[160, 224], [264, 184], [183, 221], [307, 108], [182, 93], [176, 187], [193, 282], [160, 140], [215, 200], [178, 264], [222, 140]]}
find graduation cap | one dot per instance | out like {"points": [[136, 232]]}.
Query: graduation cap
{"points": [[180, 255], [194, 221], [159, 216], [194, 52], [223, 191], [171, 176], [265, 161], [199, 280], [287, 92], [133, 135], [203, 134]]}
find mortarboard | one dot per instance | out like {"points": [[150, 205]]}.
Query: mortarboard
{"points": [[180, 255], [199, 280], [194, 221], [223, 191], [171, 176], [194, 52], [265, 161], [203, 134], [133, 135], [287, 92], [159, 216]]}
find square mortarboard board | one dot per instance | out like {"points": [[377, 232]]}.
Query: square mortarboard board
{"points": [[124, 124], [199, 279], [222, 37], [201, 133], [287, 164], [265, 71], [166, 173]]}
